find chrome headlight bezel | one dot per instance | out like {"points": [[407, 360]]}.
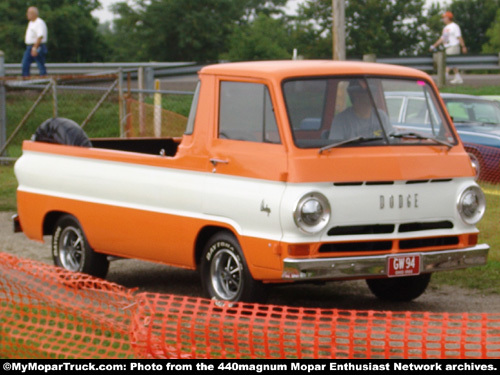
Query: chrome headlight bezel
{"points": [[312, 213], [471, 205]]}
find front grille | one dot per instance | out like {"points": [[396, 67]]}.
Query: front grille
{"points": [[410, 244], [361, 229], [419, 243], [368, 229], [416, 227], [356, 246]]}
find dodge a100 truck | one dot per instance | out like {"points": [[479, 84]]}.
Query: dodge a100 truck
{"points": [[288, 171]]}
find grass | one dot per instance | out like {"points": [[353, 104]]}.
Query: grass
{"points": [[469, 90], [485, 279], [8, 185]]}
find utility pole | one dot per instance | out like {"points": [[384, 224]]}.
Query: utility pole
{"points": [[338, 29], [3, 114]]}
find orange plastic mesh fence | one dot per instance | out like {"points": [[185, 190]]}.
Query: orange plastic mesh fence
{"points": [[47, 312], [488, 161], [172, 124], [51, 313], [168, 326]]}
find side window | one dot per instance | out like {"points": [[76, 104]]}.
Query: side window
{"points": [[246, 113], [192, 112]]}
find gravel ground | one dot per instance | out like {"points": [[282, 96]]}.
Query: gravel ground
{"points": [[159, 278]]}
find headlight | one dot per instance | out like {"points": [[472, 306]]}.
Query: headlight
{"points": [[312, 212], [471, 205]]}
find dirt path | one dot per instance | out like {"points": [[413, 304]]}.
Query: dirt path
{"points": [[341, 295]]}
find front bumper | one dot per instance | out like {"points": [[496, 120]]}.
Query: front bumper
{"points": [[370, 266]]}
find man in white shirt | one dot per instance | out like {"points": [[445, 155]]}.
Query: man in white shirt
{"points": [[36, 43], [452, 41]]}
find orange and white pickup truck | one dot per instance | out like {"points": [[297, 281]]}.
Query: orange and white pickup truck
{"points": [[288, 171]]}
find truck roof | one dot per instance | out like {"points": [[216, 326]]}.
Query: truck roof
{"points": [[282, 69]]}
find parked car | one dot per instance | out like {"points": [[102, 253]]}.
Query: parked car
{"points": [[476, 119]]}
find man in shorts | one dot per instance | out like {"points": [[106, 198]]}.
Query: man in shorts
{"points": [[452, 40]]}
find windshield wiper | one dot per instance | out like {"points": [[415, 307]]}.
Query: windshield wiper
{"points": [[421, 137], [348, 141]]}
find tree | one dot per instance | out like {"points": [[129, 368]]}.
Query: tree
{"points": [[183, 30], [73, 34], [383, 27], [493, 35], [265, 38]]}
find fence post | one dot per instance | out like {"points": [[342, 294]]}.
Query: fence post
{"points": [[149, 74], [370, 57], [121, 117], [439, 59], [157, 110], [3, 114], [55, 109], [140, 79]]}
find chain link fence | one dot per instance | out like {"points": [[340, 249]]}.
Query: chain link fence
{"points": [[104, 105]]}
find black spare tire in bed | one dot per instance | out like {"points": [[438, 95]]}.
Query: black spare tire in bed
{"points": [[61, 131]]}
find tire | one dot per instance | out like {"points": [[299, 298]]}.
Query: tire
{"points": [[71, 250], [62, 131], [399, 289], [225, 274]]}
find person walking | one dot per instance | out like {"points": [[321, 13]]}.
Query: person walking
{"points": [[452, 40], [36, 43]]}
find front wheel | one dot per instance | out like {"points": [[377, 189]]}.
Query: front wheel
{"points": [[399, 289], [224, 272], [71, 250]]}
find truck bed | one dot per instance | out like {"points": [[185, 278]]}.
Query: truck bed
{"points": [[153, 146]]}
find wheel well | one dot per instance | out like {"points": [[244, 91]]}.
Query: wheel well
{"points": [[50, 221], [203, 237]]}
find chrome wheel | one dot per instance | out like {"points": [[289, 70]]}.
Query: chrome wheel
{"points": [[71, 249], [226, 274]]}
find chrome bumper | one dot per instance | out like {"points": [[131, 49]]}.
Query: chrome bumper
{"points": [[369, 266]]}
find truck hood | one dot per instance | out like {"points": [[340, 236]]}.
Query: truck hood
{"points": [[361, 164]]}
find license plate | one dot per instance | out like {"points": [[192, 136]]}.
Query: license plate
{"points": [[403, 265]]}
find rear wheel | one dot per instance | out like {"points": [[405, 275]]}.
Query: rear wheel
{"points": [[225, 274], [71, 250], [399, 289]]}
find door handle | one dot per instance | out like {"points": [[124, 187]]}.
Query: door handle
{"points": [[217, 161]]}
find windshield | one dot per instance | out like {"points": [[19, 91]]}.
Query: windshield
{"points": [[469, 110], [358, 111]]}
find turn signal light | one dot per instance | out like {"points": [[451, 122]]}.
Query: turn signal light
{"points": [[299, 250]]}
